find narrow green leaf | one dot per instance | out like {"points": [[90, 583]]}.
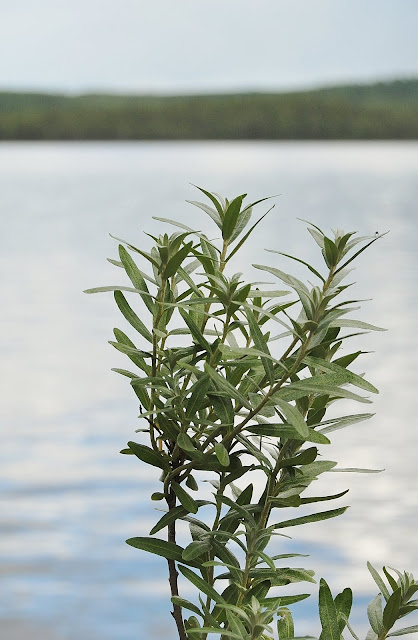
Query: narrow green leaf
{"points": [[293, 416], [340, 423], [195, 331], [235, 624], [390, 579], [131, 316], [391, 610], [323, 498], [222, 407], [287, 431], [242, 511], [222, 454], [285, 600], [355, 470], [148, 455], [176, 260], [244, 238], [330, 252], [325, 383], [296, 284], [176, 513], [404, 631], [226, 386], [201, 584], [198, 396], [343, 603], [195, 549], [353, 257], [212, 213], [136, 277], [333, 367], [266, 558], [231, 217], [314, 517], [117, 288], [212, 198], [185, 442], [219, 630], [349, 627], [261, 344], [285, 626], [328, 613], [186, 500], [282, 575], [375, 614], [356, 324], [157, 547], [310, 267], [186, 604], [243, 219], [306, 457]]}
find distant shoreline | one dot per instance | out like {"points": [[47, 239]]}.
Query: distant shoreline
{"points": [[380, 111]]}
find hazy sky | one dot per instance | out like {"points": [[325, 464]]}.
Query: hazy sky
{"points": [[203, 45]]}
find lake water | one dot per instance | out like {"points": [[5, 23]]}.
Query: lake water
{"points": [[68, 499]]}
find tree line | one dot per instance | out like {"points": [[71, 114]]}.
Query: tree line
{"points": [[378, 111]]}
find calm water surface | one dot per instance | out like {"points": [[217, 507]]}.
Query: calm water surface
{"points": [[68, 500]]}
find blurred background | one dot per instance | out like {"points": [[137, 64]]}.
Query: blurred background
{"points": [[108, 111]]}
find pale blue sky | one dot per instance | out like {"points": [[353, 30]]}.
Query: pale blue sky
{"points": [[203, 45]]}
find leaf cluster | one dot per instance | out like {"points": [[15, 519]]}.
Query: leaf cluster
{"points": [[234, 380]]}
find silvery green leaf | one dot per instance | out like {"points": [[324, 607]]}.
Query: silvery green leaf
{"points": [[131, 316], [342, 373], [242, 222], [195, 549], [349, 627], [285, 626], [343, 603], [310, 267], [391, 610], [219, 630], [118, 288], [404, 631], [244, 238], [379, 581], [375, 614], [325, 383], [220, 206], [186, 604], [340, 423], [201, 584], [148, 455], [328, 613], [318, 237], [223, 384], [355, 470], [212, 213], [260, 343], [222, 454], [293, 416], [158, 547], [356, 324], [186, 500], [314, 517], [291, 281]]}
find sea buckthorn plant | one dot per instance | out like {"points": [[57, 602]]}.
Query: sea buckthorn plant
{"points": [[221, 400]]}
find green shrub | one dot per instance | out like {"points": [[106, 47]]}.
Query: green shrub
{"points": [[215, 401]]}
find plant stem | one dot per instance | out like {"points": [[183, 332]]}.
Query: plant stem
{"points": [[173, 573]]}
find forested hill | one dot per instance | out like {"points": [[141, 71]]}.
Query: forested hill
{"points": [[377, 111]]}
